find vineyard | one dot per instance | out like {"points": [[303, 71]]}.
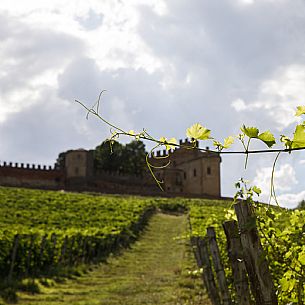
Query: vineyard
{"points": [[282, 236], [44, 232]]}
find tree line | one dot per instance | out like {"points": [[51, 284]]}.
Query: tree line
{"points": [[128, 159]]}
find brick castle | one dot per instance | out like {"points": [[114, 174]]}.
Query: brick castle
{"points": [[191, 173]]}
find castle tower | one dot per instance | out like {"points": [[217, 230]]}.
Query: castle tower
{"points": [[78, 163], [191, 171]]}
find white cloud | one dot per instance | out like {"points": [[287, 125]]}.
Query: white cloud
{"points": [[239, 105], [278, 97], [31, 60], [291, 200], [284, 180], [113, 43], [16, 101], [165, 65]]}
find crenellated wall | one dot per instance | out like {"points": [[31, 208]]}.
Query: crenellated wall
{"points": [[31, 175], [190, 173]]}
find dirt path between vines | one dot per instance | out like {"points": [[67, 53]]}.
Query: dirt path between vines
{"points": [[155, 270]]}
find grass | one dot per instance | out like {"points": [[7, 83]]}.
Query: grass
{"points": [[154, 270]]}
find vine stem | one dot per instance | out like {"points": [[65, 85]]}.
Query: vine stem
{"points": [[247, 155], [146, 136], [272, 189]]}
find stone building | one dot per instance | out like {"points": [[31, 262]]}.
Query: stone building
{"points": [[190, 172]]}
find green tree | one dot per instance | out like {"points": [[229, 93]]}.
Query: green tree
{"points": [[61, 160], [107, 160], [134, 158], [127, 159]]}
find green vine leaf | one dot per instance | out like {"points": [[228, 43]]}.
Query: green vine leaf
{"points": [[301, 257], [198, 132], [287, 141], [169, 144], [251, 132], [299, 137], [300, 110], [227, 143], [268, 138], [256, 190]]}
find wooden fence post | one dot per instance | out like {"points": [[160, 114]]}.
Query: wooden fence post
{"points": [[262, 286], [207, 269], [194, 244], [198, 257], [218, 267], [13, 257], [239, 271]]}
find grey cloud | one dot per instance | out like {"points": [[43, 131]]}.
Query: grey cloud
{"points": [[39, 133], [213, 51], [141, 92], [224, 36], [27, 52]]}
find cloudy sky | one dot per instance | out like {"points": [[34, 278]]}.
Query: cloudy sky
{"points": [[165, 65]]}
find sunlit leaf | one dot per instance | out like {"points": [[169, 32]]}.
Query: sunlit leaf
{"points": [[268, 138], [299, 137], [301, 257], [300, 110], [251, 132], [256, 190], [218, 145], [286, 141], [169, 144], [198, 132], [228, 142]]}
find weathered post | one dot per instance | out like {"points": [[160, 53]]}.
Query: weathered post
{"points": [[239, 271], [194, 244], [13, 257], [218, 267], [207, 271], [199, 260], [261, 282]]}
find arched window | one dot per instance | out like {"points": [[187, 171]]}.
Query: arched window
{"points": [[209, 171], [195, 173]]}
